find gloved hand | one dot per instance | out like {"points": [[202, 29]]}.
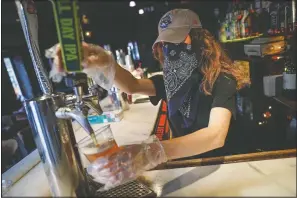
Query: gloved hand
{"points": [[98, 64], [127, 163], [56, 74]]}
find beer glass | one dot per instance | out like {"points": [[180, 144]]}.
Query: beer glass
{"points": [[106, 144]]}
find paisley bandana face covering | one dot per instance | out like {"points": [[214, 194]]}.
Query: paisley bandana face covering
{"points": [[182, 79]]}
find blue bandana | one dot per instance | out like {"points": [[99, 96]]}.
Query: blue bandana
{"points": [[182, 79]]}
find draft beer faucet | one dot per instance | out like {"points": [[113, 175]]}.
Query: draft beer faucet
{"points": [[79, 106]]}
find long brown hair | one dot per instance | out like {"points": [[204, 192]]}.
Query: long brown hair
{"points": [[215, 60]]}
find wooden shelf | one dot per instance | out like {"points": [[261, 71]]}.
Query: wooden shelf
{"points": [[241, 39], [289, 103]]}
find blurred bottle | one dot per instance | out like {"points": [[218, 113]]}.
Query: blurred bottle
{"points": [[264, 18], [239, 16], [243, 24], [122, 56], [119, 58], [234, 28], [289, 79], [223, 32], [116, 100], [274, 19], [253, 21], [228, 22], [137, 56], [129, 63], [131, 50]]}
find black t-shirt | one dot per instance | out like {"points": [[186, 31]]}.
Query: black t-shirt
{"points": [[223, 95]]}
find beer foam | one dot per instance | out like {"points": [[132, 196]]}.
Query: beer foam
{"points": [[91, 149]]}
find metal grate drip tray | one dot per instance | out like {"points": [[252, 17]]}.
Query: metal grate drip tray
{"points": [[130, 189]]}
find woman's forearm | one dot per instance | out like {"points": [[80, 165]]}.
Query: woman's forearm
{"points": [[196, 143], [126, 82]]}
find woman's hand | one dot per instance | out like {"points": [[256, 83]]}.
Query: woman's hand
{"points": [[93, 56], [98, 64], [103, 69], [128, 163]]}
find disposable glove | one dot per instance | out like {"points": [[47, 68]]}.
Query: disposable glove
{"points": [[127, 163], [98, 64]]}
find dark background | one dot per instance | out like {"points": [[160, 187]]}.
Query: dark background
{"points": [[111, 22]]}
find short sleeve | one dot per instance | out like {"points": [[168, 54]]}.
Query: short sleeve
{"points": [[224, 92], [158, 82]]}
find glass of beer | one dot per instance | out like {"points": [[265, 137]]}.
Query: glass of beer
{"points": [[106, 144]]}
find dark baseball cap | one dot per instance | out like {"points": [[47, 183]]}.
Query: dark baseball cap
{"points": [[175, 25]]}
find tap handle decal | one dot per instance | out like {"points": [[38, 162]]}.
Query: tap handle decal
{"points": [[69, 33]]}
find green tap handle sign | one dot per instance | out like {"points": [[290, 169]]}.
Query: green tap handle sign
{"points": [[69, 34]]}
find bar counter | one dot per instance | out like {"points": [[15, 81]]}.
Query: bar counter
{"points": [[272, 177]]}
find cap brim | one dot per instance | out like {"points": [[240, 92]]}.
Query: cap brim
{"points": [[173, 35]]}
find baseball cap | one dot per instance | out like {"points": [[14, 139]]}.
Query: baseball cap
{"points": [[175, 25]]}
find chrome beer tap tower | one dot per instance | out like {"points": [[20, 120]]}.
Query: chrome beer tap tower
{"points": [[50, 116]]}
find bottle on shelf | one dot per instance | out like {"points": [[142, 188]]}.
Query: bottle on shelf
{"points": [[228, 22], [233, 16], [290, 13], [119, 58], [235, 21], [282, 18], [289, 79], [243, 28], [274, 19], [264, 18], [238, 22], [223, 32], [248, 23], [254, 21]]}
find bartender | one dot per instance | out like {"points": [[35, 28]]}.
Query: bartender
{"points": [[199, 84]]}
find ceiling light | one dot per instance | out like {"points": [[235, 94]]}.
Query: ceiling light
{"points": [[260, 123], [132, 4], [140, 11], [88, 33]]}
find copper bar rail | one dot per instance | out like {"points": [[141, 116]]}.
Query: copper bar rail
{"points": [[229, 159]]}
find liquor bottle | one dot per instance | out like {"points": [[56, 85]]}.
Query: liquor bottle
{"points": [[223, 33], [289, 12], [254, 30], [282, 18], [236, 16], [289, 79], [263, 21], [119, 58], [233, 16], [232, 26], [248, 23], [243, 27], [258, 6], [228, 22], [238, 22], [274, 19]]}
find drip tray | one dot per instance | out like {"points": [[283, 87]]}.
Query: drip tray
{"points": [[130, 189]]}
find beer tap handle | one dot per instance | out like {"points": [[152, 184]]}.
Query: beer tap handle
{"points": [[95, 107]]}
